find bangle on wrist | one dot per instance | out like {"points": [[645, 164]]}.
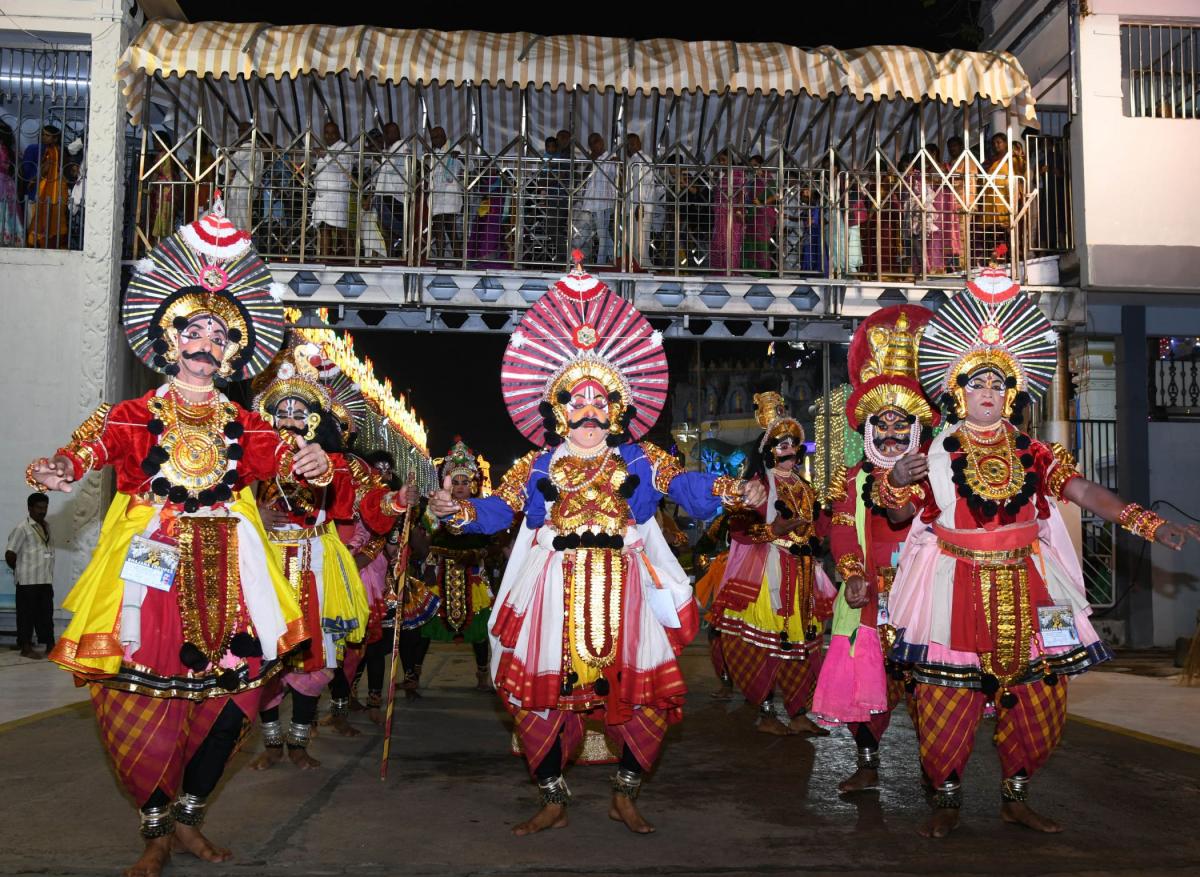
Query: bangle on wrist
{"points": [[1140, 521]]}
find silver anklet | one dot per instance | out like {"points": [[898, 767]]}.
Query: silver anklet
{"points": [[555, 791], [339, 706], [157, 822], [189, 810], [627, 783], [1014, 789], [948, 796], [298, 734], [272, 734], [868, 759]]}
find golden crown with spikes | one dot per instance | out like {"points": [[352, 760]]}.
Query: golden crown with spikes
{"points": [[892, 350], [771, 412]]}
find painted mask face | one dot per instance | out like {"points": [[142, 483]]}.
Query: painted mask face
{"points": [[202, 345], [891, 433], [461, 487], [786, 453], [588, 406], [985, 397], [295, 416]]}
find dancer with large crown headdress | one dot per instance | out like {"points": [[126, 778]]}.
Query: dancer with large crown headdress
{"points": [[988, 601], [889, 408], [456, 572], [594, 608], [183, 612], [774, 596]]}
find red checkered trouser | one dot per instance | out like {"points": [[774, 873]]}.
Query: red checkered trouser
{"points": [[756, 673], [1025, 734]]}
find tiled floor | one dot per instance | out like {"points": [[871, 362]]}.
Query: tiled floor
{"points": [[1158, 707], [31, 687]]}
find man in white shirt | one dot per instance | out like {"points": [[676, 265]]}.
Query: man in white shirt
{"points": [[31, 558], [243, 176], [444, 180], [332, 183], [391, 187], [642, 193], [595, 218]]}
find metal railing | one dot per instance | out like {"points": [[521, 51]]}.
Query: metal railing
{"points": [[1158, 70], [1175, 379], [44, 96], [456, 207], [1096, 457]]}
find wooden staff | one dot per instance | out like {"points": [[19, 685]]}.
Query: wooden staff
{"points": [[400, 576]]}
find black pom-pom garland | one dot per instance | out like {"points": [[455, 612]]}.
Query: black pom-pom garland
{"points": [[177, 493], [180, 323], [552, 439], [160, 486], [192, 658], [628, 486], [245, 645], [171, 369], [1022, 441], [547, 488], [234, 334], [234, 452], [155, 426], [563, 397], [234, 430], [962, 380], [546, 409], [952, 444], [228, 680]]}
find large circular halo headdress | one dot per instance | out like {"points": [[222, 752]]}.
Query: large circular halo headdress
{"points": [[206, 267], [883, 365], [346, 398], [580, 329], [990, 324]]}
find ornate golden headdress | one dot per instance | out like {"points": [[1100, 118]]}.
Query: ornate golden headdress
{"points": [[771, 412], [293, 374], [883, 365]]}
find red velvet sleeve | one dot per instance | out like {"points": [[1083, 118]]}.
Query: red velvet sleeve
{"points": [[376, 511], [843, 526], [341, 490], [262, 448]]}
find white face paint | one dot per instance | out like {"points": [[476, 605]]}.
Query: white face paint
{"points": [[291, 413], [985, 398], [589, 401]]}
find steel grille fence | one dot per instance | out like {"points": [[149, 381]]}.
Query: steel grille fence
{"points": [[44, 96], [1096, 457], [1158, 70]]}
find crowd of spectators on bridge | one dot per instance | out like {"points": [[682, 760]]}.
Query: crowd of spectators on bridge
{"points": [[41, 188], [435, 201]]}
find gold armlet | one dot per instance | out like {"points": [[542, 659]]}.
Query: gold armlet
{"points": [[465, 515], [324, 479], [760, 533], [1062, 472], [729, 490], [842, 519]]}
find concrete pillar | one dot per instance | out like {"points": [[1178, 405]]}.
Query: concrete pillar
{"points": [[1133, 582]]}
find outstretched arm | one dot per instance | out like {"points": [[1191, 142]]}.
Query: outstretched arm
{"points": [[1104, 503], [88, 449]]}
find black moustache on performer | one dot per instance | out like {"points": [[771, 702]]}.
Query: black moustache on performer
{"points": [[201, 356], [587, 421]]}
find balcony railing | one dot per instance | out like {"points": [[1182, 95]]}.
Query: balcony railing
{"points": [[414, 205]]}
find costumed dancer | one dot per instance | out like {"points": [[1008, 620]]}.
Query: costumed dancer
{"points": [[593, 609], [183, 612], [456, 572], [775, 595], [890, 409], [988, 601], [301, 525]]}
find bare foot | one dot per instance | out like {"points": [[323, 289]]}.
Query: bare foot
{"points": [[943, 821], [802, 724], [623, 809], [483, 682], [302, 759], [267, 759], [153, 859], [1020, 813], [550, 816], [772, 725], [188, 839], [342, 725], [725, 692], [375, 714], [862, 779]]}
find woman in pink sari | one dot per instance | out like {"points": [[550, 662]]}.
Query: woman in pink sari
{"points": [[729, 215]]}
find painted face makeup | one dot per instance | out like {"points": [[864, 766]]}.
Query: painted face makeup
{"points": [[292, 414], [984, 394]]}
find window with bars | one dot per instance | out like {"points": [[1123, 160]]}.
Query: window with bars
{"points": [[44, 95], [1159, 70]]}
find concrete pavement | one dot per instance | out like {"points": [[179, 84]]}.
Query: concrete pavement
{"points": [[726, 800]]}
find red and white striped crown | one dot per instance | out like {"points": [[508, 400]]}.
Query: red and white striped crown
{"points": [[214, 235]]}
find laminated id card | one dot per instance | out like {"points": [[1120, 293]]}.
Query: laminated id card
{"points": [[150, 563], [1058, 626], [884, 617]]}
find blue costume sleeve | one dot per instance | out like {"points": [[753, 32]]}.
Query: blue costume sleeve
{"points": [[659, 475], [518, 493]]}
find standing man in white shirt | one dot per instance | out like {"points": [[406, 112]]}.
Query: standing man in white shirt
{"points": [[443, 174], [31, 558], [594, 231], [391, 187], [332, 184]]}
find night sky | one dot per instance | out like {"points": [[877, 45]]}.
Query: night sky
{"points": [[453, 380]]}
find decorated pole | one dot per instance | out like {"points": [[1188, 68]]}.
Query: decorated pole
{"points": [[400, 577]]}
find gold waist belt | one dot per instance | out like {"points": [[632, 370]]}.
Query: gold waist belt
{"points": [[294, 537], [1006, 557]]}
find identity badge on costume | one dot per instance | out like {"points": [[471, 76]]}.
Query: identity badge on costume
{"points": [[1058, 626], [884, 617], [150, 563]]}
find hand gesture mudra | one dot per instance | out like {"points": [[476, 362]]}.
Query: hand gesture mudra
{"points": [[440, 501], [754, 494], [310, 460], [53, 473], [1175, 536], [909, 469]]}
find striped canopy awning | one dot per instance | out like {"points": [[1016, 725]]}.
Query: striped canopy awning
{"points": [[217, 51]]}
